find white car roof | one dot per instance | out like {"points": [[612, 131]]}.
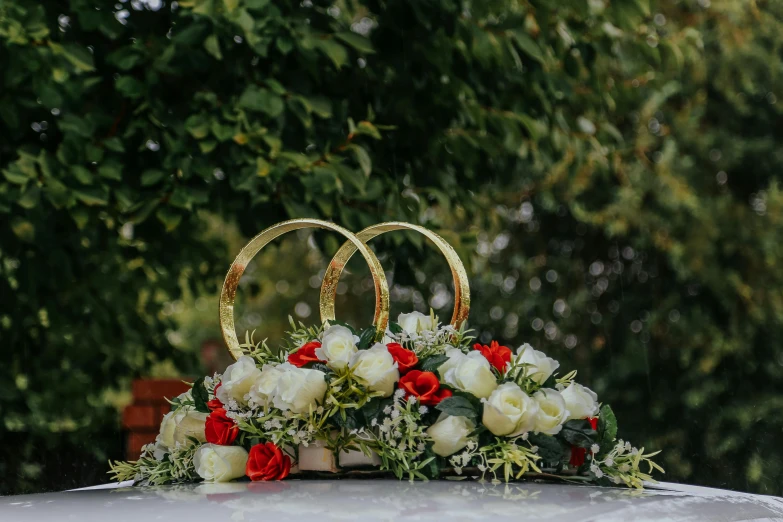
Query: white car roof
{"points": [[368, 500]]}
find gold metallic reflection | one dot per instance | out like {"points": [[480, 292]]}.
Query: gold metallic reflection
{"points": [[335, 268], [329, 285]]}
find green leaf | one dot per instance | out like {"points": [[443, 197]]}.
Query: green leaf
{"points": [[432, 363], [80, 57], [334, 51], [151, 177], [458, 407], [257, 99], [169, 217], [129, 87], [357, 41], [200, 396], [607, 428], [395, 328], [527, 44], [82, 174], [367, 336], [23, 229], [92, 197], [579, 433], [114, 144], [80, 216], [111, 171], [30, 197], [197, 126], [212, 46], [362, 158], [550, 449], [124, 58]]}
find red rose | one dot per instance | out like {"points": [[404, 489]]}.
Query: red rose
{"points": [[425, 386], [267, 462], [305, 354], [498, 356], [215, 403], [578, 454], [220, 429], [406, 359]]}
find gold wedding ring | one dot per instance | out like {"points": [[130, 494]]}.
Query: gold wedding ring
{"points": [[336, 266], [328, 287]]}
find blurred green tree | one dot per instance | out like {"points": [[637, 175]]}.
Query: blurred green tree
{"points": [[607, 170]]}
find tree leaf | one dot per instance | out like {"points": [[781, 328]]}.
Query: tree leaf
{"points": [[212, 46], [357, 41], [257, 99]]}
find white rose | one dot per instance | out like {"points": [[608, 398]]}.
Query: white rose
{"points": [[552, 412], [415, 322], [450, 434], [471, 373], [264, 388], [299, 388], [338, 345], [176, 428], [541, 367], [581, 401], [509, 411], [454, 356], [238, 379], [215, 463], [376, 367]]}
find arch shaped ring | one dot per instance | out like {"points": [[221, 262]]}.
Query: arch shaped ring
{"points": [[231, 283], [336, 266]]}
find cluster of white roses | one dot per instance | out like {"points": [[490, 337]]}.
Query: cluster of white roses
{"points": [[508, 410], [288, 387], [283, 386]]}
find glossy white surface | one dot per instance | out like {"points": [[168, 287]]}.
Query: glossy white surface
{"points": [[369, 500]]}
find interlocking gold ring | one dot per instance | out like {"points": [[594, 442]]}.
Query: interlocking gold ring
{"points": [[229, 291], [461, 286]]}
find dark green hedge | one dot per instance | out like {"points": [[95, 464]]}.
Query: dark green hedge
{"points": [[620, 158]]}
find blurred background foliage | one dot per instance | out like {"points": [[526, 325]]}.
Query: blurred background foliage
{"points": [[608, 171]]}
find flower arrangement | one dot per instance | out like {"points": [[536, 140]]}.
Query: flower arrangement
{"points": [[424, 402], [414, 398]]}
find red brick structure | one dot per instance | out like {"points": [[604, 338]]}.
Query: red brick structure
{"points": [[142, 418]]}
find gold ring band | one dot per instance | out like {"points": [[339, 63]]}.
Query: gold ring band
{"points": [[336, 266], [228, 293]]}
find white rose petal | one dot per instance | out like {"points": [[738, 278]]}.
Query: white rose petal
{"points": [[552, 411], [215, 463], [416, 322], [238, 379], [471, 373], [338, 345], [376, 367], [450, 434], [263, 390], [541, 367], [509, 411], [190, 424], [581, 401], [299, 388], [176, 428]]}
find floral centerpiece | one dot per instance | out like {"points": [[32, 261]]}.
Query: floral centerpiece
{"points": [[413, 398], [424, 402]]}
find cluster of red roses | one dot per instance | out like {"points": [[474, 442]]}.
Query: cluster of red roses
{"points": [[265, 461]]}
